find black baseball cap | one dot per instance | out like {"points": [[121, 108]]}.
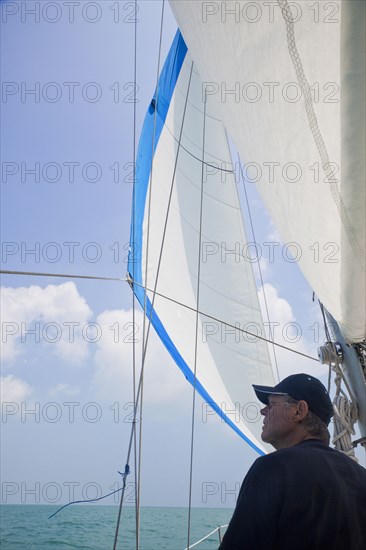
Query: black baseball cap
{"points": [[301, 387]]}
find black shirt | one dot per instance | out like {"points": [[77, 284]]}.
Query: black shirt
{"points": [[305, 497]]}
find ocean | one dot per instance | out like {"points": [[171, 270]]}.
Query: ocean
{"points": [[91, 527]]}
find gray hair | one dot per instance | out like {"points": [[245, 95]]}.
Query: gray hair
{"points": [[314, 425]]}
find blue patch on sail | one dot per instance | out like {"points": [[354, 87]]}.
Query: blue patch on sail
{"points": [[150, 134], [151, 131]]}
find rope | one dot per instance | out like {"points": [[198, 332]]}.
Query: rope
{"points": [[345, 417], [123, 488], [345, 409], [208, 535], [260, 270], [124, 475]]}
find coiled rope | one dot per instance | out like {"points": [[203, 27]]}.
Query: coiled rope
{"points": [[345, 417], [345, 408]]}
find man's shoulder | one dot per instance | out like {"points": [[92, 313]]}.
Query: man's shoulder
{"points": [[268, 466], [306, 453], [288, 453]]}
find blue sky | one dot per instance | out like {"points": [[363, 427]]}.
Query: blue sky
{"points": [[77, 225]]}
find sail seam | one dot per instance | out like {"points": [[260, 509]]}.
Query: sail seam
{"points": [[315, 130]]}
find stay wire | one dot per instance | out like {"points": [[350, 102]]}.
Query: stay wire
{"points": [[61, 275], [326, 329], [139, 396], [243, 331], [327, 335], [196, 331], [131, 282], [144, 344], [137, 499], [155, 287], [133, 308], [271, 336]]}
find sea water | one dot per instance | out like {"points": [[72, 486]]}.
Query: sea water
{"points": [[91, 527]]}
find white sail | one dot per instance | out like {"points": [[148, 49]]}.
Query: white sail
{"points": [[189, 247], [288, 82]]}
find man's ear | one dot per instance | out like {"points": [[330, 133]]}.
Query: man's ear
{"points": [[302, 410]]}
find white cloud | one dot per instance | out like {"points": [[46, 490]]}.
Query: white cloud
{"points": [[279, 309], [289, 333], [13, 389], [63, 390], [273, 235], [57, 314], [114, 360]]}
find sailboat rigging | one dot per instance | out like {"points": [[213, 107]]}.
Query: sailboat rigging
{"points": [[218, 58], [307, 133], [284, 82]]}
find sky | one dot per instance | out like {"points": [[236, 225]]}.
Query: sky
{"points": [[66, 157]]}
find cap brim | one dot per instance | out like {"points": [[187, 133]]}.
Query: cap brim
{"points": [[263, 392]]}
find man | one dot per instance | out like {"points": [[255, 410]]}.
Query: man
{"points": [[304, 496]]}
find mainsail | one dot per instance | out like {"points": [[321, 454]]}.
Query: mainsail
{"points": [[187, 221], [288, 81]]}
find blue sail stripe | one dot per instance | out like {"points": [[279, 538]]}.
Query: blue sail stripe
{"points": [[166, 87]]}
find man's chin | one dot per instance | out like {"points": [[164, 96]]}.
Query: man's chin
{"points": [[264, 437]]}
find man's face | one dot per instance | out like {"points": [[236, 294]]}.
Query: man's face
{"points": [[279, 421]]}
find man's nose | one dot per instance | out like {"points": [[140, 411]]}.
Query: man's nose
{"points": [[264, 411]]}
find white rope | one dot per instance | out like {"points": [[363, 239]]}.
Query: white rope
{"points": [[206, 537], [345, 417]]}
